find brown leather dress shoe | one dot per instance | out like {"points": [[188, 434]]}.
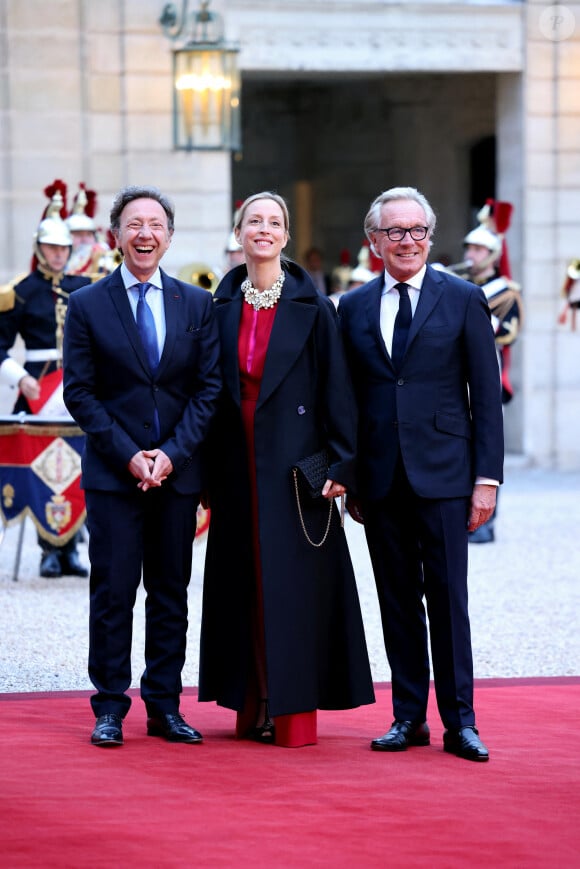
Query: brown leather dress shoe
{"points": [[174, 728], [465, 742], [108, 730], [401, 735]]}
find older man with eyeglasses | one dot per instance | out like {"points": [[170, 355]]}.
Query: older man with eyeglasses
{"points": [[421, 349]]}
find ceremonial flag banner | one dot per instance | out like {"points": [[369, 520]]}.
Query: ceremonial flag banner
{"points": [[40, 469], [50, 403]]}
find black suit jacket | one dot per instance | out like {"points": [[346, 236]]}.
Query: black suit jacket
{"points": [[443, 409], [111, 393]]}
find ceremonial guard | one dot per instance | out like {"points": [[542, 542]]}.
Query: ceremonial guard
{"points": [[91, 256], [571, 294], [347, 278], [486, 264], [233, 253], [34, 307]]}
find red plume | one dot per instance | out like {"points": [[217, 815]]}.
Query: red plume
{"points": [[500, 216], [504, 261], [57, 186], [375, 262], [91, 206]]}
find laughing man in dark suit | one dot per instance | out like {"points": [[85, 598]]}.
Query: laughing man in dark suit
{"points": [[141, 378], [424, 365]]}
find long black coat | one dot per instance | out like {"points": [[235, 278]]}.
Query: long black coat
{"points": [[316, 653]]}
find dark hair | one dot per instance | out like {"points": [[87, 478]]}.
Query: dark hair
{"points": [[132, 192]]}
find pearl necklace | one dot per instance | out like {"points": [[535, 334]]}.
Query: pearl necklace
{"points": [[265, 299]]}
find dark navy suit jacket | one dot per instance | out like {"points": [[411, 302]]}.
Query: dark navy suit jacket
{"points": [[443, 408], [112, 394]]}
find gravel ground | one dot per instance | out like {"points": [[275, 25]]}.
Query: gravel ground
{"points": [[524, 597]]}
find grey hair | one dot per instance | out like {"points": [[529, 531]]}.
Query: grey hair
{"points": [[373, 217], [130, 193]]}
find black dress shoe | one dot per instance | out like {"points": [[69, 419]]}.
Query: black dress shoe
{"points": [[50, 565], [71, 565], [173, 728], [401, 735], [108, 730], [466, 743]]}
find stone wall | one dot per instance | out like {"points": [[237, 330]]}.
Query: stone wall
{"points": [[551, 231], [85, 95]]}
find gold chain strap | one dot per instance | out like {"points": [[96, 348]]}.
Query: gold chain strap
{"points": [[312, 543]]}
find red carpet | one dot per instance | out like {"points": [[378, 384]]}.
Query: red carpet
{"points": [[65, 803]]}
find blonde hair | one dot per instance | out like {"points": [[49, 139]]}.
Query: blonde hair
{"points": [[266, 194]]}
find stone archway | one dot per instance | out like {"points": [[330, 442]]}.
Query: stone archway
{"points": [[330, 143]]}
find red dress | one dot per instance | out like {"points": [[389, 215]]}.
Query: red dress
{"points": [[253, 339]]}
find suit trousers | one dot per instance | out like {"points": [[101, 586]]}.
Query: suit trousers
{"points": [[148, 534], [418, 549]]}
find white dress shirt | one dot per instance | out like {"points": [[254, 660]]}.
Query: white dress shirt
{"points": [[390, 303], [153, 298]]}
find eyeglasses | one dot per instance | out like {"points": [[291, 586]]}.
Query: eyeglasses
{"points": [[397, 233]]}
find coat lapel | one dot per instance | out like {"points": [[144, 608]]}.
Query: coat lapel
{"points": [[373, 311], [120, 300], [430, 294], [229, 314], [292, 325], [174, 308]]}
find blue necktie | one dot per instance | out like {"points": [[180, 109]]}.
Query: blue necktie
{"points": [[148, 334], [402, 325], [146, 327]]}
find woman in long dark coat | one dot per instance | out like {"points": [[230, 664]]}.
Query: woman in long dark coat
{"points": [[282, 632]]}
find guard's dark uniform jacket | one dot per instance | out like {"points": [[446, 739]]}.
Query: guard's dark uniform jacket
{"points": [[35, 309], [505, 302], [37, 313]]}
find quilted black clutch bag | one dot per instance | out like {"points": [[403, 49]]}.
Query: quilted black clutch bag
{"points": [[312, 473]]}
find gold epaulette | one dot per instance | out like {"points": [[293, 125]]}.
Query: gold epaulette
{"points": [[509, 284], [8, 294], [502, 303]]}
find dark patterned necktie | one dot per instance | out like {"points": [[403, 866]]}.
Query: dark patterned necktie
{"points": [[146, 327], [402, 325]]}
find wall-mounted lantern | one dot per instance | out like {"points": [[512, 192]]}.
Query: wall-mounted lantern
{"points": [[206, 81]]}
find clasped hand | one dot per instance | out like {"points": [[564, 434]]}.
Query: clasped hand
{"points": [[151, 468]]}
